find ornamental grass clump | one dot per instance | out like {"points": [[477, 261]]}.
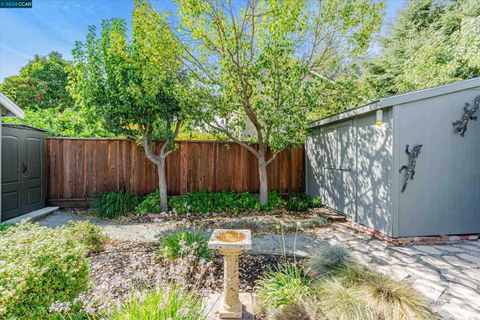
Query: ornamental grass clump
{"points": [[339, 288], [114, 204], [330, 260], [283, 286], [337, 301], [40, 266], [388, 298], [165, 303]]}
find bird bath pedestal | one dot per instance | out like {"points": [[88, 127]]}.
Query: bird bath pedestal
{"points": [[230, 243]]}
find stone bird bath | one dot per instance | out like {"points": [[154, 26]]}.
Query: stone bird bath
{"points": [[230, 243]]}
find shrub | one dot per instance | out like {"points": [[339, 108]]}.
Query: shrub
{"points": [[337, 301], [182, 243], [302, 202], [283, 286], [39, 266], [167, 303], [330, 259], [88, 235], [203, 202], [114, 204], [274, 202], [150, 204], [5, 226]]}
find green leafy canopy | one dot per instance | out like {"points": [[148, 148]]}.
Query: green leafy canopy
{"points": [[256, 62], [135, 84]]}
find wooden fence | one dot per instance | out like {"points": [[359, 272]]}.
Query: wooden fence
{"points": [[78, 168]]}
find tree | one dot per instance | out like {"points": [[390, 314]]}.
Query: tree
{"points": [[136, 85], [41, 83], [431, 43], [258, 64]]}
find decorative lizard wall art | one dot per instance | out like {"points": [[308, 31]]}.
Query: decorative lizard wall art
{"points": [[412, 162], [461, 125]]}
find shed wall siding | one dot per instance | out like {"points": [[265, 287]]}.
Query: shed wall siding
{"points": [[374, 172], [444, 197], [364, 193]]}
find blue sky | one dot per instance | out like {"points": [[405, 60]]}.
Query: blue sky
{"points": [[55, 25]]}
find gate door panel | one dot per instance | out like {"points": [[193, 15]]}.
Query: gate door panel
{"points": [[11, 178], [22, 171]]}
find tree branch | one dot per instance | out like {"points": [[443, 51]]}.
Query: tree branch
{"points": [[175, 134], [148, 147], [240, 142], [275, 155]]}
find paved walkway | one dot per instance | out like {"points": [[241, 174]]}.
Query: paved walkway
{"points": [[449, 275]]}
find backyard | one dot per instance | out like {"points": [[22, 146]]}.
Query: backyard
{"points": [[301, 253], [259, 159]]}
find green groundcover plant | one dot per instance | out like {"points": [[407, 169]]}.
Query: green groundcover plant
{"points": [[5, 226], [204, 202], [40, 266], [302, 202]]}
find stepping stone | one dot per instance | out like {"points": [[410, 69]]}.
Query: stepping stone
{"points": [[455, 261], [469, 257], [467, 247], [447, 248], [464, 293], [460, 310], [437, 262], [431, 290], [428, 249], [456, 276]]}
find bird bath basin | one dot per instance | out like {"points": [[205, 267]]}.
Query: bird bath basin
{"points": [[230, 236], [230, 243]]}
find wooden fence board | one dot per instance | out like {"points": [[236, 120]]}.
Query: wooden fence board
{"points": [[79, 168]]}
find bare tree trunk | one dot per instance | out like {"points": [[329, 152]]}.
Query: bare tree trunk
{"points": [[262, 170], [159, 160], [162, 185]]}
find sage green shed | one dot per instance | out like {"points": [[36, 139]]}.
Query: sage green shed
{"points": [[353, 163]]}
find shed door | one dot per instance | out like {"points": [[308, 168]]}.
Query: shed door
{"points": [[338, 162], [22, 172]]}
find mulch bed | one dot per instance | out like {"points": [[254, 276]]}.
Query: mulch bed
{"points": [[223, 216], [125, 266], [252, 267], [258, 222]]}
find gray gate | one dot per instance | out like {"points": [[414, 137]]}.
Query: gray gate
{"points": [[23, 176]]}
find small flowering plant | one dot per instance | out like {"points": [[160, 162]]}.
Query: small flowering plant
{"points": [[169, 302], [39, 266], [183, 243]]}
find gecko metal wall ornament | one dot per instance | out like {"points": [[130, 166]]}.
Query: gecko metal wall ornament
{"points": [[412, 162], [461, 125]]}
